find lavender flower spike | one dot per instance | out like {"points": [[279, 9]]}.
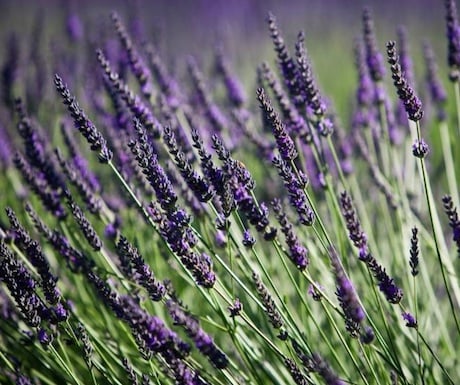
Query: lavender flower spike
{"points": [[386, 284], [285, 144], [82, 123], [412, 103], [354, 313], [453, 39]]}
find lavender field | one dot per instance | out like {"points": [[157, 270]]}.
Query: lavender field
{"points": [[229, 192]]}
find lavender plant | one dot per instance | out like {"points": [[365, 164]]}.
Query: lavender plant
{"points": [[175, 224]]}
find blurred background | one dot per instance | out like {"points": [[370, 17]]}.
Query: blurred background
{"points": [[196, 27]]}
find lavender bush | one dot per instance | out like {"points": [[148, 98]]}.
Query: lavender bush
{"points": [[171, 222]]}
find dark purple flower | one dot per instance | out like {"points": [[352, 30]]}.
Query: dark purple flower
{"points": [[410, 320], [33, 251], [346, 294], [236, 308], [296, 374], [374, 58], [85, 225], [82, 123], [139, 109], [320, 366], [269, 304], [295, 186], [194, 181], [44, 338], [386, 284], [284, 142], [406, 94], [314, 292], [22, 288], [148, 161], [420, 148], [295, 123], [286, 63], [144, 274], [454, 222], [414, 252], [367, 335], [233, 86], [203, 341], [248, 239], [453, 39], [138, 67], [297, 252], [74, 27], [310, 92]]}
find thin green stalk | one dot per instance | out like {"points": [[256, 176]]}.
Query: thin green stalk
{"points": [[431, 212], [457, 102], [449, 161], [347, 348], [436, 358]]}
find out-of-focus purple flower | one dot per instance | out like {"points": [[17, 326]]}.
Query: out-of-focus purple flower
{"points": [[296, 374], [320, 366], [74, 27], [314, 292], [248, 239], [203, 341], [286, 63], [436, 89], [212, 111], [367, 335], [374, 58], [410, 320], [453, 39], [346, 294], [221, 239], [233, 86], [236, 308], [138, 67], [139, 109], [420, 148]]}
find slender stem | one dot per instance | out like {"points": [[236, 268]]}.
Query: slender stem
{"points": [[431, 213]]}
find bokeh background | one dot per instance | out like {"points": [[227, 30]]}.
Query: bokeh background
{"points": [[195, 27]]}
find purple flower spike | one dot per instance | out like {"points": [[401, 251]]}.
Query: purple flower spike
{"points": [[374, 58], [354, 313], [453, 39], [236, 308], [420, 148], [406, 93], [410, 320]]}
